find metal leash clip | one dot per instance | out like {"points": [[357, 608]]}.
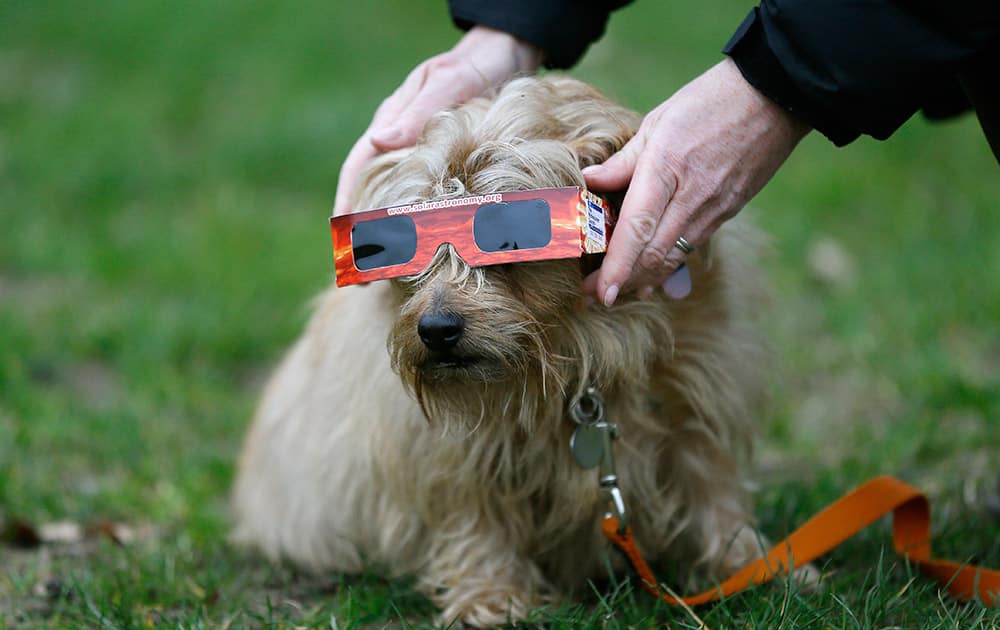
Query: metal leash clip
{"points": [[591, 445]]}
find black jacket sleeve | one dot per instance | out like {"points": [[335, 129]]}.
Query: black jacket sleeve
{"points": [[562, 28], [851, 67]]}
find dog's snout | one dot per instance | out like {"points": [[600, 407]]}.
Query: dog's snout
{"points": [[440, 331]]}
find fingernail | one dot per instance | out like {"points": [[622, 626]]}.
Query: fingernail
{"points": [[678, 285], [610, 295], [590, 170]]}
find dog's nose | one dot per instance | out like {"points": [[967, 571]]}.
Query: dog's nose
{"points": [[440, 331]]}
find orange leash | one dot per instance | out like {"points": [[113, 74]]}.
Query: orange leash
{"points": [[911, 536]]}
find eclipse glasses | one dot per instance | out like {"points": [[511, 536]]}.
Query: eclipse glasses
{"points": [[490, 229]]}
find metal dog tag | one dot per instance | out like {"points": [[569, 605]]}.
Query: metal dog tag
{"points": [[587, 444]]}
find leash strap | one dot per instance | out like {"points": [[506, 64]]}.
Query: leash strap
{"points": [[840, 520]]}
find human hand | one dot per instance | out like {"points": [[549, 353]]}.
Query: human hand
{"points": [[484, 58], [695, 161]]}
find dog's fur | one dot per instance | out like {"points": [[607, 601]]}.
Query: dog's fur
{"points": [[480, 498]]}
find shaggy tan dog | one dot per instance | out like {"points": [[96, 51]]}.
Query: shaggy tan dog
{"points": [[459, 470]]}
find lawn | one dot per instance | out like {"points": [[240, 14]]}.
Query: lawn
{"points": [[166, 169]]}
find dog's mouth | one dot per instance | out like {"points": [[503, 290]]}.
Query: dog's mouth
{"points": [[451, 362], [455, 367]]}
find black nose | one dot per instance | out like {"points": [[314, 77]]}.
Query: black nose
{"points": [[440, 331]]}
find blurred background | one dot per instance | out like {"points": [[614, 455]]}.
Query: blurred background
{"points": [[166, 172]]}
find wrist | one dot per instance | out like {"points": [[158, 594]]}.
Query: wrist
{"points": [[520, 56], [775, 116]]}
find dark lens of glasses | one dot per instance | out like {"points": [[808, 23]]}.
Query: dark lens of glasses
{"points": [[500, 227], [384, 242]]}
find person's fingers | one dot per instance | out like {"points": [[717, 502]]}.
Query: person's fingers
{"points": [[444, 87], [384, 132], [612, 175], [661, 256], [350, 171], [653, 185], [408, 126], [380, 136], [484, 57], [438, 84], [678, 285]]}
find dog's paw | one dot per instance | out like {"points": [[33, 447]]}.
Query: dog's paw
{"points": [[808, 579], [749, 546], [488, 608]]}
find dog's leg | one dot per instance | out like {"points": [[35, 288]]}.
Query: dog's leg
{"points": [[694, 509], [720, 534], [475, 577]]}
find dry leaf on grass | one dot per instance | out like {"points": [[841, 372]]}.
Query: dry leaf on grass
{"points": [[830, 263], [18, 532]]}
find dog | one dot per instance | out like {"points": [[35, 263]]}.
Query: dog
{"points": [[368, 448]]}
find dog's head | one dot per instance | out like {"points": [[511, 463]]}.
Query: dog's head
{"points": [[464, 332]]}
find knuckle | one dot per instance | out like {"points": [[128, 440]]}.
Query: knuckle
{"points": [[642, 226], [717, 193], [669, 166], [668, 173], [443, 63], [654, 258]]}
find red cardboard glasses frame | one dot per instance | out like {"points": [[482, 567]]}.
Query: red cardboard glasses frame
{"points": [[581, 223]]}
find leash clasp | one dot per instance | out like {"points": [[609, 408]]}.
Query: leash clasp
{"points": [[592, 445]]}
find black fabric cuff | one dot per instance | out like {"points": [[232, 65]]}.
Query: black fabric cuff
{"points": [[563, 29], [748, 47]]}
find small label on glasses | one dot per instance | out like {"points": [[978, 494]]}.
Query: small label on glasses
{"points": [[595, 221]]}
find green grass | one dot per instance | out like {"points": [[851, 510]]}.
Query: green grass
{"points": [[165, 174]]}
